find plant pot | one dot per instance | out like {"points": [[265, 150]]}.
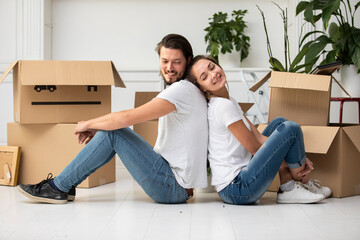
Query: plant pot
{"points": [[350, 80], [230, 60]]}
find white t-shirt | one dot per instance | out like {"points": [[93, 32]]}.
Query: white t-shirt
{"points": [[183, 134], [226, 154]]}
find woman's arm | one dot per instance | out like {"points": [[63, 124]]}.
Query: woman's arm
{"points": [[244, 136], [116, 120], [261, 138]]}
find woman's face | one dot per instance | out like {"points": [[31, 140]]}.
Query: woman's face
{"points": [[209, 76]]}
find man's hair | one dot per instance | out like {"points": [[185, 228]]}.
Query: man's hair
{"points": [[176, 41]]}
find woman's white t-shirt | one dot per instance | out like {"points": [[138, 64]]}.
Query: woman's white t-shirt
{"points": [[226, 154], [183, 134]]}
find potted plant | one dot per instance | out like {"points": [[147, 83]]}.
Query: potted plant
{"points": [[225, 35], [341, 35], [288, 65]]}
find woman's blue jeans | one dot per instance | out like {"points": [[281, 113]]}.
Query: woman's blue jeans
{"points": [[285, 142], [147, 167]]}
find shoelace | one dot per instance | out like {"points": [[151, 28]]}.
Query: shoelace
{"points": [[40, 184], [316, 183]]}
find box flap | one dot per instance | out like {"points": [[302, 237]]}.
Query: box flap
{"points": [[12, 65], [245, 106], [68, 73], [318, 139], [118, 81], [300, 81], [260, 83], [354, 134], [143, 97]]}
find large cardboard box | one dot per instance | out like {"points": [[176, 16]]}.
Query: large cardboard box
{"points": [[149, 129], [49, 148], [62, 91], [335, 152], [304, 98]]}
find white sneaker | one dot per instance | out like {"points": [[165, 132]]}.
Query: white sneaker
{"points": [[300, 194], [316, 186]]}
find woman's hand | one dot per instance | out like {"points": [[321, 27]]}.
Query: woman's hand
{"points": [[305, 174]]}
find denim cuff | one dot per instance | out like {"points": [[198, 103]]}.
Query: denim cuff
{"points": [[297, 164]]}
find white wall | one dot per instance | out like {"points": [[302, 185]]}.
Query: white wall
{"points": [[127, 31]]}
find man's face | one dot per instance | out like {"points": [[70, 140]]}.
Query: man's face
{"points": [[172, 64]]}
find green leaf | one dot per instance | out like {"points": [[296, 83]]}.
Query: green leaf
{"points": [[276, 64], [329, 10], [356, 58], [301, 7], [330, 56], [356, 34], [334, 32], [308, 13], [298, 58], [308, 34]]}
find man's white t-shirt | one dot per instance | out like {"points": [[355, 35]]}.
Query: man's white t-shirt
{"points": [[183, 134], [226, 154]]}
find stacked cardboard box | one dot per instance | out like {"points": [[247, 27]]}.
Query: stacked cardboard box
{"points": [[50, 97], [335, 149]]}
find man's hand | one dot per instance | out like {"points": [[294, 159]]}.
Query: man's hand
{"points": [[305, 174], [83, 133], [85, 136]]}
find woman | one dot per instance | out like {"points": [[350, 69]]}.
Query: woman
{"points": [[243, 161]]}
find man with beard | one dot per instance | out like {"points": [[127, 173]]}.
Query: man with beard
{"points": [[170, 171]]}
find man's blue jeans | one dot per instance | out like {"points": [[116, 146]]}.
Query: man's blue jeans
{"points": [[147, 167], [285, 142]]}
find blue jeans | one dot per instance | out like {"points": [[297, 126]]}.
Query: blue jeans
{"points": [[285, 142], [147, 167]]}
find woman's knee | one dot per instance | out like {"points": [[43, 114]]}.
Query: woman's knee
{"points": [[289, 126]]}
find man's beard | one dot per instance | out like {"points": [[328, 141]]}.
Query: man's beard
{"points": [[168, 83]]}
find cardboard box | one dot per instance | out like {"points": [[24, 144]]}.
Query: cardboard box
{"points": [[304, 98], [149, 129], [49, 148], [335, 152], [62, 91]]}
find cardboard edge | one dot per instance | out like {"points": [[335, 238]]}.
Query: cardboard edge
{"points": [[117, 79], [245, 106], [257, 85], [12, 65], [353, 135]]}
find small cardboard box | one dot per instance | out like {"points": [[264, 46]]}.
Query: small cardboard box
{"points": [[62, 91], [49, 148], [335, 152], [304, 98], [149, 129]]}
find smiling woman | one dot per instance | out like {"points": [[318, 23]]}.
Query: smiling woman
{"points": [[243, 161]]}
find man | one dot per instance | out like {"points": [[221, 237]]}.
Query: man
{"points": [[177, 164]]}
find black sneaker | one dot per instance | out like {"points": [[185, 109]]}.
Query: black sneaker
{"points": [[71, 194], [43, 192]]}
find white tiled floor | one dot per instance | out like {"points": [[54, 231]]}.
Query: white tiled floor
{"points": [[122, 210]]}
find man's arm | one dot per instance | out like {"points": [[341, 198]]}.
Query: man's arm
{"points": [[116, 120]]}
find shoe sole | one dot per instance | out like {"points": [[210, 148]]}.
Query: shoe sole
{"points": [[71, 197], [40, 199], [301, 201]]}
